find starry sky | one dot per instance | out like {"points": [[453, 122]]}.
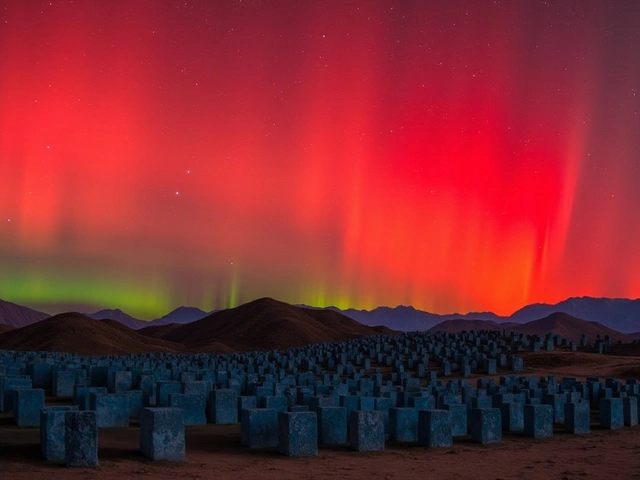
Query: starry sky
{"points": [[452, 155]]}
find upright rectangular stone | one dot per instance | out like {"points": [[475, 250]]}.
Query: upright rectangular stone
{"points": [[27, 403], [7, 387], [538, 421], [259, 428], [434, 428], [63, 383], [611, 413], [52, 432], [403, 424], [459, 420], [193, 408], [512, 417], [112, 409], [630, 411], [223, 406], [577, 417], [162, 434], [366, 430], [486, 425], [297, 434], [81, 439], [332, 425]]}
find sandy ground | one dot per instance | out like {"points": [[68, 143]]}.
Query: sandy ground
{"points": [[214, 451]]}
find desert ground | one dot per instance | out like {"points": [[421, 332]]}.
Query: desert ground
{"points": [[214, 451]]}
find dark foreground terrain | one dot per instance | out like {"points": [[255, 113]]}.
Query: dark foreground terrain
{"points": [[214, 451]]}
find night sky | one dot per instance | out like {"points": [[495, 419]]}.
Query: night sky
{"points": [[451, 155]]}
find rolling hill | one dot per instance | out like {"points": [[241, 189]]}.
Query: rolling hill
{"points": [[77, 333], [120, 317], [265, 324]]}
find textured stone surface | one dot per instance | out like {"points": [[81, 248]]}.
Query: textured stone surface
{"points": [[485, 425], [223, 406], [81, 439], [512, 417], [162, 434], [112, 409], [259, 428], [403, 424], [459, 420], [332, 425], [611, 413], [297, 434], [366, 430], [434, 428], [538, 421], [193, 407], [27, 405], [577, 417], [630, 411], [52, 432], [7, 387]]}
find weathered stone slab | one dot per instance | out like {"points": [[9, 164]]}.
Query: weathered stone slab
{"points": [[259, 428], [162, 434], [223, 406], [193, 407], [297, 434], [485, 425], [27, 403], [81, 439], [112, 409], [403, 424], [611, 413], [332, 425], [366, 430], [434, 428], [52, 432], [577, 417], [538, 421]]}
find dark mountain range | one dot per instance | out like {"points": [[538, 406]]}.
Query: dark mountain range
{"points": [[18, 316], [557, 323], [119, 316], [181, 315]]}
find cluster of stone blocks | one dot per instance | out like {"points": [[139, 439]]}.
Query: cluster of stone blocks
{"points": [[303, 398]]}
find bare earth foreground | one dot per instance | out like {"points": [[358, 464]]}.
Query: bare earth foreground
{"points": [[214, 451]]}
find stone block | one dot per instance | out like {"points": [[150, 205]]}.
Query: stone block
{"points": [[403, 424], [557, 401], [136, 403], [512, 417], [81, 396], [259, 428], [538, 421], [63, 383], [577, 417], [7, 387], [27, 403], [332, 425], [434, 428], [630, 411], [223, 406], [112, 409], [246, 401], [297, 434], [366, 430], [459, 421], [52, 432], [193, 407], [164, 389], [486, 425], [162, 434], [611, 413], [277, 402], [81, 439]]}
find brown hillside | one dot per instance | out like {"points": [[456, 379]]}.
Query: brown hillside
{"points": [[77, 333], [569, 327], [266, 324]]}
